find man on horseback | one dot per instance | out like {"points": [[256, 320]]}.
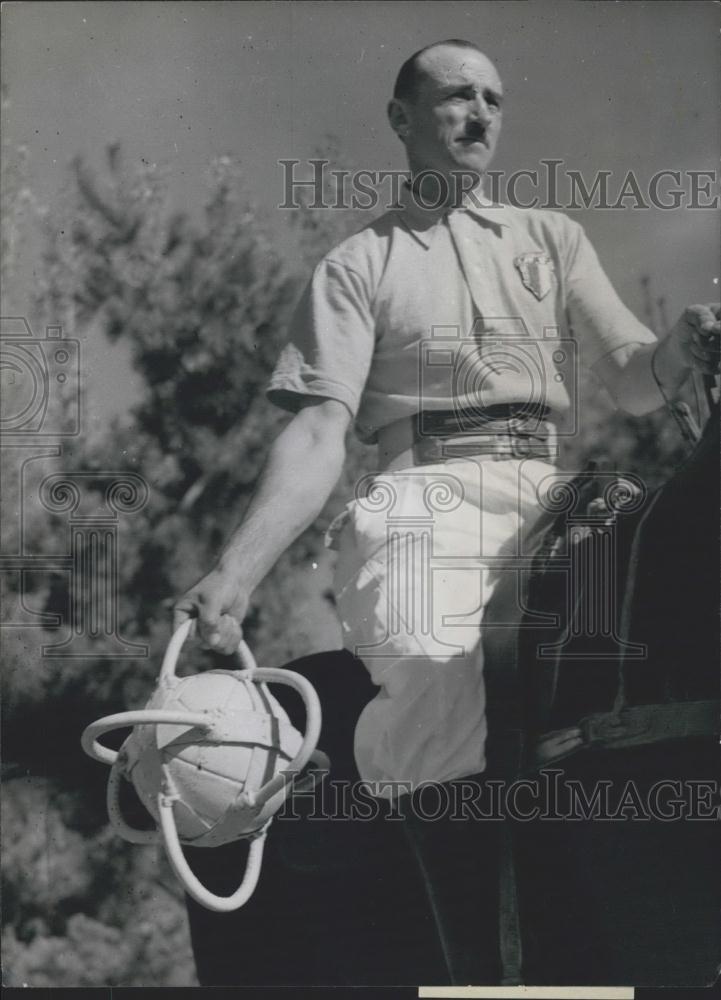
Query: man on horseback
{"points": [[447, 330]]}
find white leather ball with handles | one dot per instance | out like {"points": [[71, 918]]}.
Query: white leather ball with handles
{"points": [[212, 757]]}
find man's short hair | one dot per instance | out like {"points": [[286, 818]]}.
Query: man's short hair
{"points": [[406, 87]]}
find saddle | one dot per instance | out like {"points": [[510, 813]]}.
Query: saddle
{"points": [[565, 683]]}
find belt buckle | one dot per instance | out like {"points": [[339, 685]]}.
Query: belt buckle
{"points": [[428, 449], [595, 729]]}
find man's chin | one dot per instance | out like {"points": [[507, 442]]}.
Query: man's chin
{"points": [[473, 160]]}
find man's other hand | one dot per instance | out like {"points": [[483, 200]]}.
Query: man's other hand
{"points": [[698, 334], [218, 604]]}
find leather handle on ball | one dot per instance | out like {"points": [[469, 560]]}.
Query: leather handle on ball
{"points": [[190, 882], [305, 689], [172, 652], [125, 720]]}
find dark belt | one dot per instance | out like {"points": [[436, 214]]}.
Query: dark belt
{"points": [[631, 726], [508, 430]]}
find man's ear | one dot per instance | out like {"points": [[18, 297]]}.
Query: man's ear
{"points": [[398, 117]]}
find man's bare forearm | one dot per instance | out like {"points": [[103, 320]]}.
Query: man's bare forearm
{"points": [[642, 376], [303, 466]]}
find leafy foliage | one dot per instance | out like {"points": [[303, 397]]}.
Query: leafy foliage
{"points": [[203, 306]]}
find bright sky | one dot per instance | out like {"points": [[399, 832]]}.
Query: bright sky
{"points": [[603, 86]]}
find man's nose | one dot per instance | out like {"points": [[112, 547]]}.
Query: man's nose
{"points": [[479, 110]]}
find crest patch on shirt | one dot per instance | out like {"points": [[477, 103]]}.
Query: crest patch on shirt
{"points": [[535, 270]]}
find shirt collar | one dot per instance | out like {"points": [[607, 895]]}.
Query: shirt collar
{"points": [[420, 220]]}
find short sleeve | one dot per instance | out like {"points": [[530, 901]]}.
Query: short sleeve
{"points": [[600, 322], [331, 342]]}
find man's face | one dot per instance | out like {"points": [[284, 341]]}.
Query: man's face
{"points": [[455, 120]]}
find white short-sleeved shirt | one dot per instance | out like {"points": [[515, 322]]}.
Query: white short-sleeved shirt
{"points": [[426, 310], [435, 309]]}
